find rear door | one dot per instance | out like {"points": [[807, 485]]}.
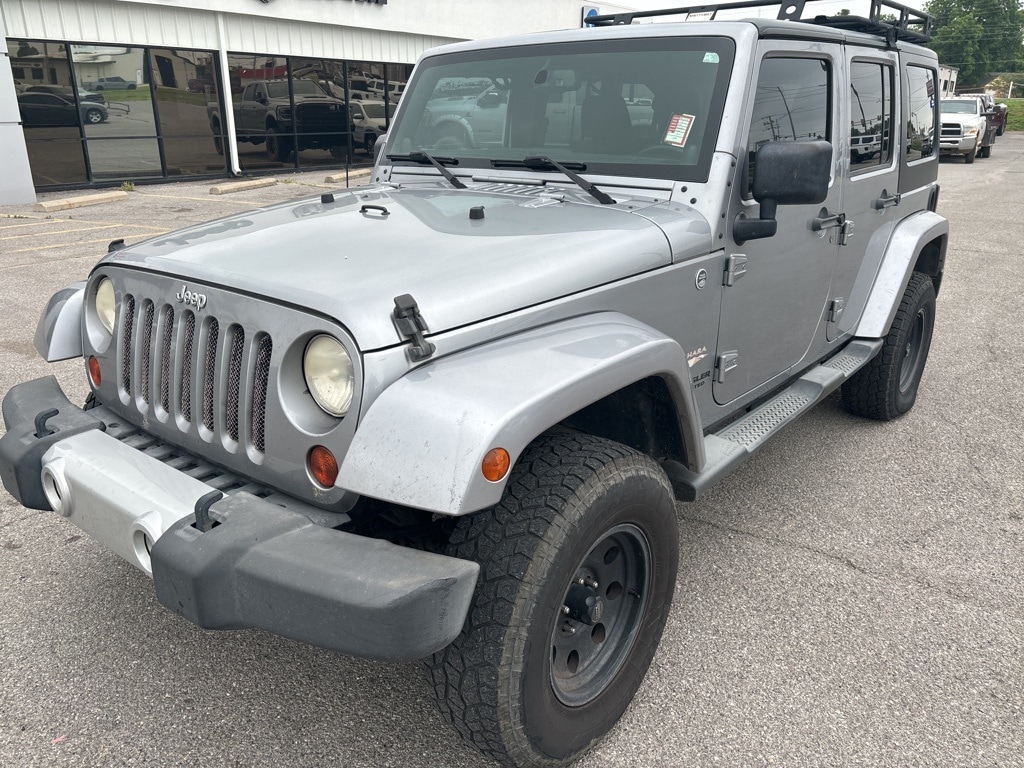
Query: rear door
{"points": [[871, 196]]}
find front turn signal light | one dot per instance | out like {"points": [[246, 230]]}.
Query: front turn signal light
{"points": [[94, 371], [496, 464], [322, 465]]}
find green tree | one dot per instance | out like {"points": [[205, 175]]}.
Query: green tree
{"points": [[978, 36]]}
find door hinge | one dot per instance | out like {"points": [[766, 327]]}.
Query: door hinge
{"points": [[411, 325], [835, 309], [725, 363], [846, 232], [735, 268]]}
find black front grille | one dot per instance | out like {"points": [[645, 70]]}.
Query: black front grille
{"points": [[181, 358], [315, 118]]}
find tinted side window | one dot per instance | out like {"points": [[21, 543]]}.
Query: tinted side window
{"points": [[920, 122], [791, 103], [870, 115]]}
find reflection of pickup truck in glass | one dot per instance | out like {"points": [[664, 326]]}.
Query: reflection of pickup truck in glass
{"points": [[116, 83], [265, 113]]}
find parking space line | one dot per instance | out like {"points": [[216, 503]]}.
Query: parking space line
{"points": [[65, 245], [4, 238], [208, 200]]}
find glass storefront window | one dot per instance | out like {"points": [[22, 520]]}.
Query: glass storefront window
{"points": [[50, 115], [262, 140], [185, 89], [95, 111]]}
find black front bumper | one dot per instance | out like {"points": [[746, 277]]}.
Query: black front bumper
{"points": [[265, 567], [260, 565]]}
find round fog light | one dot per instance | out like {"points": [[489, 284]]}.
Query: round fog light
{"points": [[323, 467]]}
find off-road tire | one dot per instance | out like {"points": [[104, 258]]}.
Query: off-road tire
{"points": [[279, 148], [886, 388], [218, 140], [574, 506]]}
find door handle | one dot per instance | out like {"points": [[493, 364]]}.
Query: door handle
{"points": [[885, 200], [826, 220]]}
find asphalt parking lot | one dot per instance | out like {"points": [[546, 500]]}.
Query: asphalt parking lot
{"points": [[850, 597]]}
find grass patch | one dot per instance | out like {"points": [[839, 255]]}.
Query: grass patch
{"points": [[1015, 114]]}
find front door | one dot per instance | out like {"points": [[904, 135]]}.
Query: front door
{"points": [[777, 287]]}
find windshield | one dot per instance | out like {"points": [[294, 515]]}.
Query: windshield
{"points": [[960, 107], [279, 89], [647, 108], [374, 111]]}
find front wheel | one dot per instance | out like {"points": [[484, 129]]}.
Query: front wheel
{"points": [[93, 116], [886, 387], [969, 157], [278, 147], [578, 566]]}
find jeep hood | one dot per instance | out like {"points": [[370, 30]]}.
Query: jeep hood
{"points": [[350, 258]]}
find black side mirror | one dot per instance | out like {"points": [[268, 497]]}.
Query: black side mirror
{"points": [[489, 100], [785, 173]]}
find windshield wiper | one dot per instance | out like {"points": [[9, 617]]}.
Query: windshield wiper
{"points": [[540, 162], [422, 158]]}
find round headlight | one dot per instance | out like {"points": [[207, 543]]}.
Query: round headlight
{"points": [[329, 376], [106, 304]]}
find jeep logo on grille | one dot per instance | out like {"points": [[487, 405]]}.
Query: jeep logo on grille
{"points": [[191, 298]]}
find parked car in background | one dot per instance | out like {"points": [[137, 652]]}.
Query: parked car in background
{"points": [[966, 128], [376, 87], [368, 123], [116, 83], [66, 92], [40, 109], [264, 115], [998, 116]]}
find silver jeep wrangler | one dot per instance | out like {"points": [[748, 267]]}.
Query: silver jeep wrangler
{"points": [[450, 416]]}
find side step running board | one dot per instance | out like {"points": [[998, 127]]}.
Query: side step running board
{"points": [[736, 442]]}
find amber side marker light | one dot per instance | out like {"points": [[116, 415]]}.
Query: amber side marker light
{"points": [[94, 371], [322, 466], [495, 464]]}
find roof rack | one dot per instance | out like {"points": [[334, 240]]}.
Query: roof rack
{"points": [[904, 23]]}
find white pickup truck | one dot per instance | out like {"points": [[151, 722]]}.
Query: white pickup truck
{"points": [[966, 128]]}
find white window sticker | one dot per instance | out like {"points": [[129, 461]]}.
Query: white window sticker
{"points": [[711, 58], [679, 130]]}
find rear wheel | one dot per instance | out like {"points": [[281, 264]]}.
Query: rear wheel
{"points": [[887, 386], [578, 565]]}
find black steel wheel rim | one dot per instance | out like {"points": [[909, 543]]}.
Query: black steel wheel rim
{"points": [[912, 353], [600, 615]]}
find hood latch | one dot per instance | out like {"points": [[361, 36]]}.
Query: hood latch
{"points": [[411, 325]]}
